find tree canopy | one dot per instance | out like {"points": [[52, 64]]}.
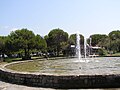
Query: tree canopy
{"points": [[110, 42], [114, 38], [97, 38], [57, 39], [24, 42], [40, 43], [2, 45]]}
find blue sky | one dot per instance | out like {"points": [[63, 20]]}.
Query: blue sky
{"points": [[86, 16]]}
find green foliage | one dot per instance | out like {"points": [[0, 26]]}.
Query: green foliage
{"points": [[26, 40], [23, 39], [3, 49], [72, 39], [2, 45], [12, 59], [114, 35], [101, 52], [98, 39], [56, 40], [114, 41], [110, 42], [40, 43]]}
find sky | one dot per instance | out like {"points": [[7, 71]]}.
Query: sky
{"points": [[41, 16]]}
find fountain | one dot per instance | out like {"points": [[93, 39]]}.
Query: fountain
{"points": [[78, 49], [85, 47], [101, 72]]}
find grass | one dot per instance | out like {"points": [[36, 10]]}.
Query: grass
{"points": [[18, 59], [12, 59], [114, 55], [26, 66]]}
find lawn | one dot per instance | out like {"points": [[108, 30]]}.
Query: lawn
{"points": [[114, 55]]}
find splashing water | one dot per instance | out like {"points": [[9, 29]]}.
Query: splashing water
{"points": [[78, 50]]}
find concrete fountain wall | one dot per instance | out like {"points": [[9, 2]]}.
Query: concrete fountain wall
{"points": [[60, 81]]}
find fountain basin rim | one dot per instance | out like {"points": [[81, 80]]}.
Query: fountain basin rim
{"points": [[59, 81], [3, 68]]}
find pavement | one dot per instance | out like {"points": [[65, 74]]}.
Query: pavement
{"points": [[9, 86]]}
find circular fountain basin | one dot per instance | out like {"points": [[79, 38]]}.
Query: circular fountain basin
{"points": [[65, 73], [88, 66]]}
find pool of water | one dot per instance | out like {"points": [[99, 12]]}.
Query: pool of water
{"points": [[88, 66]]}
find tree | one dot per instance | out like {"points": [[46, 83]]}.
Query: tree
{"points": [[114, 35], [10, 46], [101, 52], [98, 39], [114, 41], [40, 43], [110, 42], [2, 45], [23, 39], [56, 40]]}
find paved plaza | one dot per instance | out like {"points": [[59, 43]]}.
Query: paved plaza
{"points": [[8, 86]]}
